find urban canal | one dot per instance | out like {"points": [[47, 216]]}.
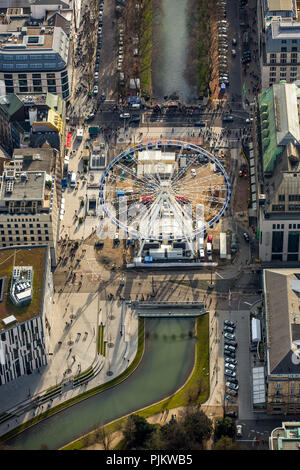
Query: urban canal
{"points": [[167, 362], [170, 56]]}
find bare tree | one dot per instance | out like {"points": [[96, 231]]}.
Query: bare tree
{"points": [[104, 437]]}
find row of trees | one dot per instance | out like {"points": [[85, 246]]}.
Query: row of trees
{"points": [[190, 431]]}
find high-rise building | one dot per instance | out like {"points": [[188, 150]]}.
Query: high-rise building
{"points": [[34, 59], [30, 199]]}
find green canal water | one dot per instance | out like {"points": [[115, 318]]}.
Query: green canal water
{"points": [[165, 366]]}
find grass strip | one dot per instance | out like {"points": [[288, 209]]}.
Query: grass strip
{"points": [[99, 339], [203, 47], [88, 393], [146, 48]]}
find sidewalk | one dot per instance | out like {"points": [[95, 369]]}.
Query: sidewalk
{"points": [[77, 352]]}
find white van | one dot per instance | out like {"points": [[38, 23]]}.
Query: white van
{"points": [[201, 243], [73, 180], [202, 255]]}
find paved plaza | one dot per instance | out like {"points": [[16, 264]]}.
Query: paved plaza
{"points": [[73, 349]]}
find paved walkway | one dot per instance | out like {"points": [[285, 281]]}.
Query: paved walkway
{"points": [[77, 352]]}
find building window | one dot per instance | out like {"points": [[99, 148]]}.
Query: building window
{"points": [[283, 75], [277, 242], [36, 75], [277, 208], [281, 197], [294, 207], [294, 49], [272, 69], [283, 61], [294, 55]]}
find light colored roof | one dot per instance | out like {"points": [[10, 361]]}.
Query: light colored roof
{"points": [[281, 5], [286, 112], [282, 322]]}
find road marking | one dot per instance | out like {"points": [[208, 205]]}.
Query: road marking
{"points": [[247, 303], [219, 275]]}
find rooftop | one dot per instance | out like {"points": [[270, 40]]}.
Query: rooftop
{"points": [[286, 112], [23, 186], [283, 319], [287, 437], [281, 5], [32, 159], [35, 38], [10, 257], [285, 28]]}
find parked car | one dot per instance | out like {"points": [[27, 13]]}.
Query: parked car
{"points": [[229, 366], [229, 372], [228, 329], [229, 354], [234, 42], [233, 52], [103, 97], [229, 323], [95, 91], [239, 430], [229, 342], [199, 124], [116, 238], [96, 75], [232, 386], [246, 237], [230, 360], [229, 398], [125, 116], [233, 393], [229, 336], [229, 347], [232, 380], [231, 414]]}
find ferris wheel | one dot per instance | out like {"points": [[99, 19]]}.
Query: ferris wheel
{"points": [[165, 189]]}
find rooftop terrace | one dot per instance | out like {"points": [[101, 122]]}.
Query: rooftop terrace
{"points": [[10, 257]]}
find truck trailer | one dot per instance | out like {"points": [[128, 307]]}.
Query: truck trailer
{"points": [[223, 247]]}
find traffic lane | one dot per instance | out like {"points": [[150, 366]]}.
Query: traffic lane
{"points": [[242, 332], [235, 88], [107, 80]]}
